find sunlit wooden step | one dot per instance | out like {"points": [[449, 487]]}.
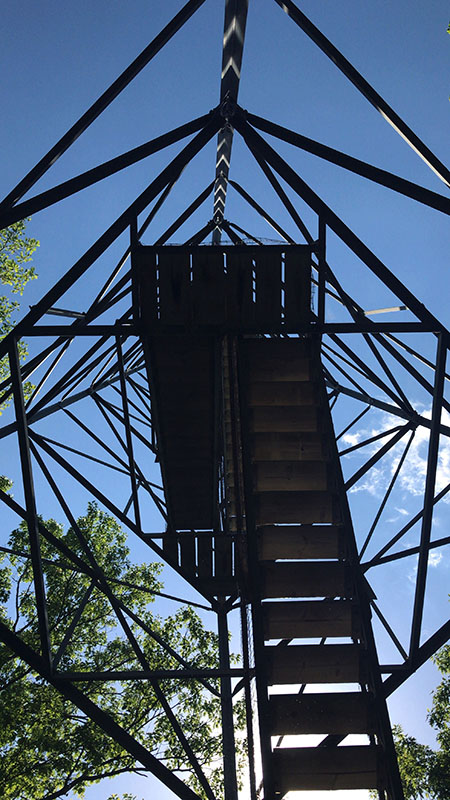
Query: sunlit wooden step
{"points": [[281, 393], [314, 663], [281, 369], [304, 619], [299, 541], [326, 768], [266, 446], [277, 360], [284, 419], [306, 579], [296, 507], [288, 476], [329, 712]]}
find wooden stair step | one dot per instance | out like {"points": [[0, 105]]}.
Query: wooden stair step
{"points": [[299, 541], [327, 768], [306, 579], [285, 476], [284, 419], [299, 507], [281, 393], [279, 369], [314, 663], [274, 349], [304, 619], [306, 446], [328, 712]]}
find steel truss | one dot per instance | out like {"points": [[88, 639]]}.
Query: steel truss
{"points": [[90, 365]]}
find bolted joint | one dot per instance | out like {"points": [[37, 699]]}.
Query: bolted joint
{"points": [[228, 109]]}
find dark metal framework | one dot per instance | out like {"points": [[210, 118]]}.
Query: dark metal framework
{"points": [[90, 366]]}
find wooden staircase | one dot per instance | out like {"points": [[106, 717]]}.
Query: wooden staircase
{"points": [[256, 504], [306, 582]]}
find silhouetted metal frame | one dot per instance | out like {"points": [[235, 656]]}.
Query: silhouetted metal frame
{"points": [[254, 577], [366, 89], [268, 159], [97, 715], [394, 784], [102, 103], [232, 50], [376, 174], [263, 151]]}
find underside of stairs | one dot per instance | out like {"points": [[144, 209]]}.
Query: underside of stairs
{"points": [[315, 659]]}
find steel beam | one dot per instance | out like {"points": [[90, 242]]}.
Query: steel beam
{"points": [[185, 215], [97, 715], [355, 165], [233, 46], [121, 223], [91, 176], [366, 89], [424, 652], [31, 511], [377, 559], [226, 699], [428, 504], [103, 102], [256, 142], [264, 214], [376, 457]]}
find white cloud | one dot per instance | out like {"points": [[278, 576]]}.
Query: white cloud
{"points": [[414, 469], [352, 438], [435, 558], [374, 483]]}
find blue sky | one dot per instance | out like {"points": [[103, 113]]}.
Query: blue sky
{"points": [[59, 56]]}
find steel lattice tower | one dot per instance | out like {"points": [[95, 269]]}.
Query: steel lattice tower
{"points": [[229, 364]]}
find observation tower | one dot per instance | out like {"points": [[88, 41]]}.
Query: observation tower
{"points": [[238, 365]]}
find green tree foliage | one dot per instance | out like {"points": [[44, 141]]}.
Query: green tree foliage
{"points": [[425, 772], [47, 746], [16, 252]]}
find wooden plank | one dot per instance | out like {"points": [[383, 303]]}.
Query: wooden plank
{"points": [[300, 507], [283, 419], [181, 371], [144, 274], [288, 447], [329, 712], [306, 579], [276, 349], [208, 286], [223, 555], [327, 768], [204, 548], [290, 476], [170, 547], [174, 286], [187, 553], [283, 368], [299, 541], [239, 293], [303, 619], [267, 271], [313, 663], [281, 393], [204, 558], [297, 277]]}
